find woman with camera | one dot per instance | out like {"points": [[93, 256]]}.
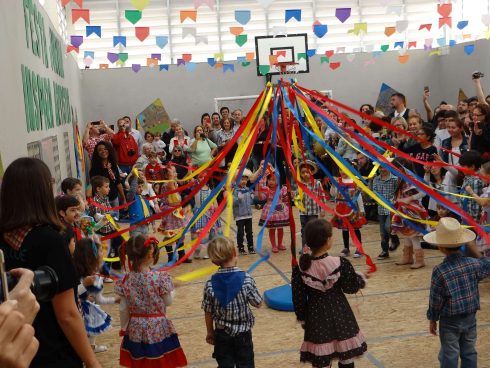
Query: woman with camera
{"points": [[480, 129], [125, 145], [30, 238], [202, 149]]}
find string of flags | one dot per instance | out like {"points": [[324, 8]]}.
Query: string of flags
{"points": [[189, 19]]}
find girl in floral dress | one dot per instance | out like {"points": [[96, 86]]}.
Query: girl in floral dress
{"points": [[408, 201], [149, 337], [280, 213], [173, 222]]}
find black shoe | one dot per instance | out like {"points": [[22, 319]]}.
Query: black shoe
{"points": [[393, 246], [383, 255], [242, 252], [251, 251], [182, 254]]}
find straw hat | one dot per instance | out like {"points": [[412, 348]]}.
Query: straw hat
{"points": [[247, 173], [313, 167], [449, 234]]}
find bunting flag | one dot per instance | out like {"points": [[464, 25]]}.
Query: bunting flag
{"points": [[140, 4], [241, 39], [343, 14], [188, 31], [444, 10], [335, 65], [150, 62], [71, 48], [228, 67], [138, 124], [399, 44], [103, 66], [89, 54], [77, 14], [448, 21], [188, 14], [157, 56], [403, 59], [187, 57], [112, 57], [462, 24], [65, 3], [412, 44], [141, 33], [319, 29], [468, 49], [427, 26], [390, 31], [235, 31], [211, 62], [209, 3], [133, 16], [163, 67], [359, 28], [76, 41], [161, 41], [119, 40], [401, 25], [190, 67], [250, 56], [201, 39], [242, 16], [97, 30], [136, 68], [292, 14], [123, 57]]}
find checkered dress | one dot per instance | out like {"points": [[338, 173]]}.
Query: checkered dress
{"points": [[280, 214]]}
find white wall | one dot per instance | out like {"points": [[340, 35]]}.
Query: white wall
{"points": [[14, 53]]}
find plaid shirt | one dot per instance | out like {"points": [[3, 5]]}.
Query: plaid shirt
{"points": [[467, 204], [311, 206], [237, 316], [97, 212], [92, 142], [387, 188], [454, 286]]}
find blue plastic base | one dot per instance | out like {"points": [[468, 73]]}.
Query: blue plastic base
{"points": [[280, 298]]}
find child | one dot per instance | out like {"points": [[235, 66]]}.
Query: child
{"points": [[140, 208], [280, 214], [154, 168], [87, 260], [346, 216], [318, 286], [150, 339], [386, 184], [311, 209], [200, 197], [159, 146], [174, 222], [73, 186], [407, 201], [228, 317], [242, 213], [100, 187], [454, 297], [68, 208]]}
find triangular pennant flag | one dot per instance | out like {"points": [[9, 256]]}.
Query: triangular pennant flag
{"points": [[141, 33], [462, 24], [301, 55], [228, 67], [329, 53], [190, 67], [292, 13], [163, 67], [389, 31], [187, 57], [441, 41], [445, 22], [320, 30], [218, 65], [211, 62], [219, 56], [403, 59], [324, 59], [103, 66], [264, 69], [401, 25], [358, 28], [272, 59], [64, 3], [250, 56], [412, 44], [133, 16], [435, 53], [191, 14], [445, 9], [151, 62], [242, 16], [123, 57], [247, 63], [77, 14], [201, 39], [71, 48], [428, 43], [398, 44], [112, 57], [427, 26], [79, 3], [161, 41], [485, 18], [97, 30], [385, 48], [89, 54], [461, 95], [467, 36], [188, 31], [343, 14], [156, 56], [140, 4], [76, 41], [241, 59], [468, 49], [119, 40], [119, 63], [136, 67], [209, 3], [235, 31], [452, 43], [335, 65], [241, 39], [311, 52]]}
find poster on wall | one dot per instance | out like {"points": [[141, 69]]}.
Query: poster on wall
{"points": [[383, 104], [154, 118]]}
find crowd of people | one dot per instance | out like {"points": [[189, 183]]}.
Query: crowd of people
{"points": [[144, 179]]}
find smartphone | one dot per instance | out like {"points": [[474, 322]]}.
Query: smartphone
{"points": [[426, 89], [95, 123], [3, 279]]}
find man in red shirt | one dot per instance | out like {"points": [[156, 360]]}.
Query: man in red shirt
{"points": [[125, 146]]}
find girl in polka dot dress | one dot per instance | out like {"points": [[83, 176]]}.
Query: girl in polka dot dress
{"points": [[319, 285]]}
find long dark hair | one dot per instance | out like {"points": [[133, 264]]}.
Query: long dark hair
{"points": [[97, 160], [86, 257], [22, 204], [137, 249], [317, 232]]}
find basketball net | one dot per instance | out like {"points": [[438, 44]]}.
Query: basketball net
{"points": [[286, 70]]}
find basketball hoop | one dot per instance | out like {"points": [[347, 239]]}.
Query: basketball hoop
{"points": [[286, 68]]}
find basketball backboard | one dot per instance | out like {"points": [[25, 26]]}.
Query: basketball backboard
{"points": [[271, 50]]}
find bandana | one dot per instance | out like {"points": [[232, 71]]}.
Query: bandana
{"points": [[227, 285]]}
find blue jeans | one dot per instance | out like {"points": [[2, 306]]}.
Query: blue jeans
{"points": [[458, 339], [385, 232], [114, 203], [233, 351], [304, 219]]}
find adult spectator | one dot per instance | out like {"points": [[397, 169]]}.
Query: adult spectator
{"points": [[179, 160], [480, 130], [104, 163], [414, 125], [224, 136], [95, 132], [472, 102], [135, 133], [181, 139], [463, 109], [30, 238], [237, 117], [225, 112], [215, 127], [144, 159], [149, 137], [398, 102], [202, 149], [205, 119], [125, 146], [398, 139], [441, 129]]}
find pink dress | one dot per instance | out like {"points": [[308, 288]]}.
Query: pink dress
{"points": [[280, 213], [150, 339], [175, 221]]}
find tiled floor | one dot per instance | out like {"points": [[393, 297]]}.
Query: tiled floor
{"points": [[391, 312]]}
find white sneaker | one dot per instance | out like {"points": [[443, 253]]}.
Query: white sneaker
{"points": [[108, 280], [100, 348], [357, 254]]}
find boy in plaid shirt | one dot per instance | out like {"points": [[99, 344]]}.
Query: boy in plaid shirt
{"points": [[228, 317], [454, 297]]}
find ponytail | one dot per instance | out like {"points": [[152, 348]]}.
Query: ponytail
{"points": [[305, 261]]}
